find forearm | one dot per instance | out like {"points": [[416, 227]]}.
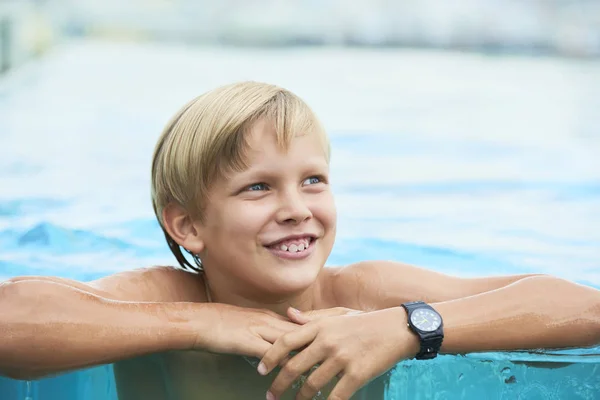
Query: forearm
{"points": [[536, 312], [48, 327]]}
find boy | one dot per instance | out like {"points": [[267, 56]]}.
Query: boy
{"points": [[240, 180]]}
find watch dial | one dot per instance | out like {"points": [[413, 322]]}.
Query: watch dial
{"points": [[425, 319]]}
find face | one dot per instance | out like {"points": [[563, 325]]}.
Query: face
{"points": [[268, 230]]}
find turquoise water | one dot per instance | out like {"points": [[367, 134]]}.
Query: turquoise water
{"points": [[467, 164]]}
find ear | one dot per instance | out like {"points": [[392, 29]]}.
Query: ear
{"points": [[182, 228]]}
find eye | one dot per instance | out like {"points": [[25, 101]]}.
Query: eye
{"points": [[312, 180], [257, 187]]}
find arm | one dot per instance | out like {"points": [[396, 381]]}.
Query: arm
{"points": [[119, 317], [536, 312], [480, 314], [91, 324], [374, 285]]}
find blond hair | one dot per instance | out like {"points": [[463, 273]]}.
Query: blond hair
{"points": [[206, 139]]}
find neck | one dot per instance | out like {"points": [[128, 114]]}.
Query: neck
{"points": [[217, 291]]}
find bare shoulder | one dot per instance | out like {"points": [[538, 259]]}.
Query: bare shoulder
{"points": [[344, 285], [369, 285], [373, 285], [153, 284]]}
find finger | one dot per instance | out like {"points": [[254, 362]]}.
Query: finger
{"points": [[285, 361], [274, 331], [298, 365], [272, 314], [286, 326], [303, 317], [255, 347], [284, 345], [297, 316], [318, 379], [349, 384]]}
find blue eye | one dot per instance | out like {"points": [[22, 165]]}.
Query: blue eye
{"points": [[257, 186], [312, 180]]}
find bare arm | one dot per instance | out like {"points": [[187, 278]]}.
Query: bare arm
{"points": [[50, 325], [480, 314], [374, 285], [529, 313], [536, 312]]}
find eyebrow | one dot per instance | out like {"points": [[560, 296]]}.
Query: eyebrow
{"points": [[261, 172]]}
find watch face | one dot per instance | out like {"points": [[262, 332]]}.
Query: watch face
{"points": [[425, 319]]}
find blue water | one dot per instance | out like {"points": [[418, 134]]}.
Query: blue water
{"points": [[466, 164]]}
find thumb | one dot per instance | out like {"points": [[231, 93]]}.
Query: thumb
{"points": [[304, 317]]}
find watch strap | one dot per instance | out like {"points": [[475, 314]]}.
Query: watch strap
{"points": [[430, 347], [430, 342]]}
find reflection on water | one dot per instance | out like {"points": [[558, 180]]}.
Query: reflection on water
{"points": [[465, 163]]}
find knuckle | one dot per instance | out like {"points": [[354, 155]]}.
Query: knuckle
{"points": [[286, 341], [310, 387], [343, 357], [330, 345], [290, 371], [353, 375]]}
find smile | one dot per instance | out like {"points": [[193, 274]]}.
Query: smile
{"points": [[293, 249]]}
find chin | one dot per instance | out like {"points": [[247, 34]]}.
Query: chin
{"points": [[294, 279]]}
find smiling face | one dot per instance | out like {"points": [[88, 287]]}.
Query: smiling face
{"points": [[268, 230]]}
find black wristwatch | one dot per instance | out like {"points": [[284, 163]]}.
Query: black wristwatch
{"points": [[427, 324]]}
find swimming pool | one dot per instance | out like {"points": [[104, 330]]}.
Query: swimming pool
{"points": [[469, 164]]}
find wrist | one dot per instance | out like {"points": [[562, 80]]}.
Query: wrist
{"points": [[427, 325], [183, 326], [411, 344]]}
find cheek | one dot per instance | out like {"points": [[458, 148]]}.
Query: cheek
{"points": [[326, 212], [243, 217]]}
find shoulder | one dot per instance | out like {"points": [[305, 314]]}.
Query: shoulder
{"points": [[346, 286], [369, 285], [153, 284], [361, 273], [372, 285]]}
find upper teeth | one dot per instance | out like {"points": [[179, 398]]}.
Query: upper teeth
{"points": [[295, 247]]}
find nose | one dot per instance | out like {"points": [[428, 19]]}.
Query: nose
{"points": [[293, 208]]}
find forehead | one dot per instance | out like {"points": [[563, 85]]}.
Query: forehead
{"points": [[263, 157], [263, 144]]}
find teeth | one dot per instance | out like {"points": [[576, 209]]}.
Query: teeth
{"points": [[294, 248]]}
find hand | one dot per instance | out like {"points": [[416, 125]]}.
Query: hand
{"points": [[242, 331], [355, 346]]}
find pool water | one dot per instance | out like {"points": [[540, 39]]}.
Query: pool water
{"points": [[469, 164]]}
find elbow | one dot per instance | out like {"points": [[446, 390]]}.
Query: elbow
{"points": [[23, 374], [573, 303], [12, 295], [545, 282], [20, 375], [12, 314]]}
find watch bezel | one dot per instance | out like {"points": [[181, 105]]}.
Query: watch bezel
{"points": [[430, 309], [430, 342]]}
